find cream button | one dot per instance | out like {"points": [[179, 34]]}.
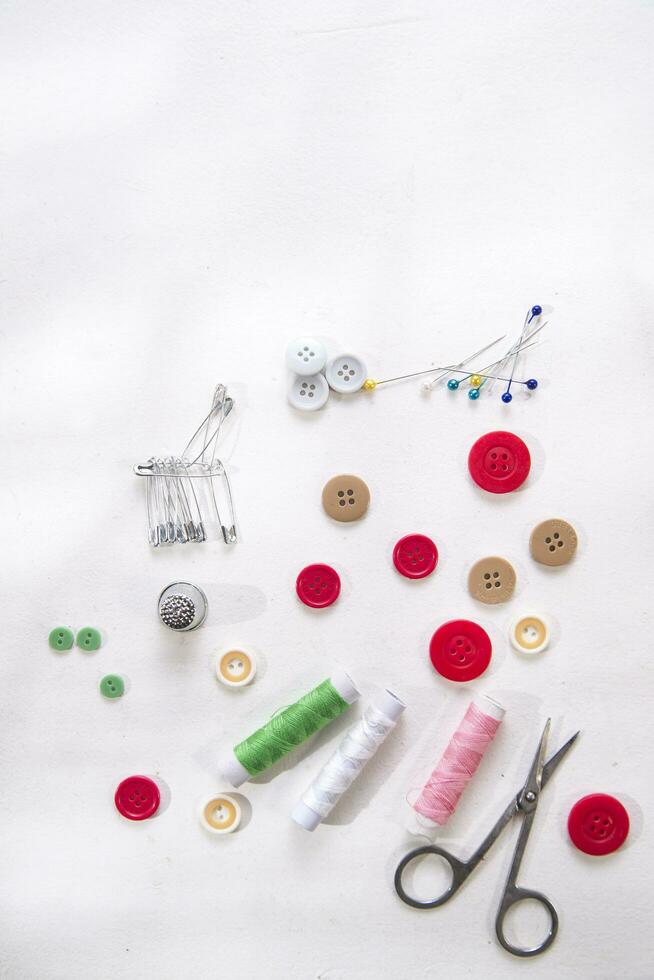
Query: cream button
{"points": [[220, 814], [306, 356], [236, 666], [529, 634], [345, 373]]}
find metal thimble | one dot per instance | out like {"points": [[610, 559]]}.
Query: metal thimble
{"points": [[182, 606]]}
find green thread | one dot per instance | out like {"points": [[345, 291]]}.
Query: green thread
{"points": [[289, 728]]}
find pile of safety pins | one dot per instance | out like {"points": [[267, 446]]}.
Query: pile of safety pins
{"points": [[181, 496]]}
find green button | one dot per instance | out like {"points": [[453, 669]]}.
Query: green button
{"points": [[89, 639], [61, 638], [112, 686]]}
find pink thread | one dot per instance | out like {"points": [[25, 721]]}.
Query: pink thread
{"points": [[442, 791]]}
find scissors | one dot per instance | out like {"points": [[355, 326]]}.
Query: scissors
{"points": [[525, 803]]}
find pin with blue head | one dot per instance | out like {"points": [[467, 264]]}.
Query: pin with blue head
{"points": [[531, 384], [452, 384], [473, 394]]}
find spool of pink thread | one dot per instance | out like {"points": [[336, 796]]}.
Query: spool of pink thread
{"points": [[441, 793]]}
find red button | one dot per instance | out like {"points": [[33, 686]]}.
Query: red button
{"points": [[415, 556], [318, 586], [460, 650], [598, 824], [499, 462], [137, 797]]}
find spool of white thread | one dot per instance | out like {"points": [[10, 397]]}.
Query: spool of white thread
{"points": [[420, 825], [357, 748]]}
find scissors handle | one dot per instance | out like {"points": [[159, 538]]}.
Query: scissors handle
{"points": [[513, 895], [459, 870]]}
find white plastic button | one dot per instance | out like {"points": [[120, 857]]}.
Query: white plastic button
{"points": [[305, 356], [236, 666], [529, 634], [346, 373], [308, 393], [220, 814]]}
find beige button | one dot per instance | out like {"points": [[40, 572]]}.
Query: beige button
{"points": [[491, 580], [345, 498], [236, 666], [553, 542], [529, 634], [220, 814]]}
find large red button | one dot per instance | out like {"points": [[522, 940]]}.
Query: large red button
{"points": [[460, 650], [499, 462], [318, 586], [598, 824], [137, 797], [415, 556]]}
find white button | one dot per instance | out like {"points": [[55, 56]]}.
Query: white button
{"points": [[236, 666], [306, 356], [220, 814], [529, 633], [308, 393], [346, 373]]}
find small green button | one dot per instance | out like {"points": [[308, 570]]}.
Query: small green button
{"points": [[61, 638], [89, 639], [112, 686]]}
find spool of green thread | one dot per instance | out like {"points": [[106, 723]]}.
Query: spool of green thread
{"points": [[289, 728]]}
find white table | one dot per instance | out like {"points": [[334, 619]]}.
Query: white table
{"points": [[187, 187]]}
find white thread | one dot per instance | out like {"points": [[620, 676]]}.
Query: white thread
{"points": [[356, 749]]}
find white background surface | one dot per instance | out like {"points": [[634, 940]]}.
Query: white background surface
{"points": [[186, 187]]}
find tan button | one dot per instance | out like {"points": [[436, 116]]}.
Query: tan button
{"points": [[236, 666], [529, 634], [491, 580], [553, 542], [220, 814], [345, 498]]}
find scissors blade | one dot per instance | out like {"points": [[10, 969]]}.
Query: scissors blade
{"points": [[531, 789], [558, 757]]}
